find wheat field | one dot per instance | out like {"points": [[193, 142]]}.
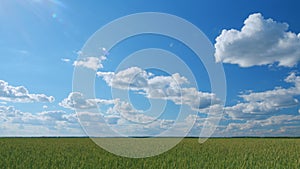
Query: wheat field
{"points": [[214, 153]]}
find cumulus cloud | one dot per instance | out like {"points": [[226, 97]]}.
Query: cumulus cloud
{"points": [[93, 63], [7, 112], [120, 115], [123, 119], [10, 114], [260, 42], [134, 78], [58, 115], [76, 100], [159, 87], [20, 94], [273, 125], [15, 122], [260, 105], [116, 109], [126, 112]]}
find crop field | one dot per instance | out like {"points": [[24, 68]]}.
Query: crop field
{"points": [[214, 153]]}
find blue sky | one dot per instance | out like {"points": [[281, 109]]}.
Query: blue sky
{"points": [[41, 40]]}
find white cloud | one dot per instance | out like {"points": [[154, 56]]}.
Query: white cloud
{"points": [[123, 119], [45, 107], [256, 115], [133, 78], [16, 122], [272, 126], [7, 112], [118, 113], [261, 105], [48, 116], [126, 112], [260, 42], [252, 110], [76, 100], [93, 63], [159, 87], [20, 94]]}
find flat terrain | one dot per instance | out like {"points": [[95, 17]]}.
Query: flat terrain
{"points": [[214, 153]]}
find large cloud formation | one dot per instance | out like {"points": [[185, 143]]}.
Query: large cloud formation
{"points": [[20, 94], [160, 87], [260, 42]]}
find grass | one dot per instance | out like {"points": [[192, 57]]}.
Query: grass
{"points": [[214, 153]]}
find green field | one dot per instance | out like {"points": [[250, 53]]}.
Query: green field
{"points": [[214, 153]]}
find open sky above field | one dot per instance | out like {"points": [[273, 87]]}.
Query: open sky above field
{"points": [[258, 43]]}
